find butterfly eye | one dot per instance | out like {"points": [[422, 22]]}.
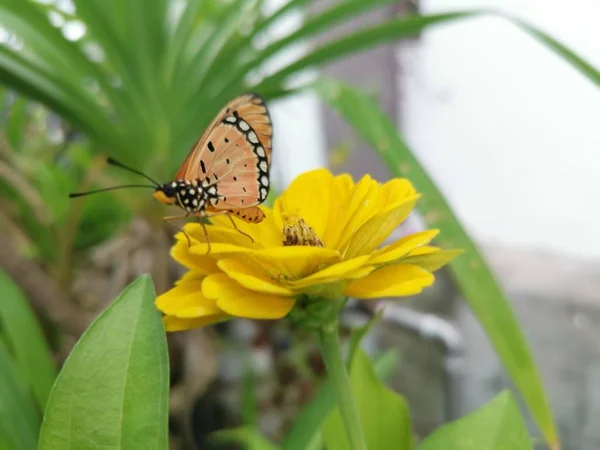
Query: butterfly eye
{"points": [[168, 190]]}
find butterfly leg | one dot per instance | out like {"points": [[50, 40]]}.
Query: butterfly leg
{"points": [[206, 235], [167, 220], [237, 229]]}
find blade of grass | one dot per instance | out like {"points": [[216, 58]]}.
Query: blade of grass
{"points": [[19, 421], [471, 272]]}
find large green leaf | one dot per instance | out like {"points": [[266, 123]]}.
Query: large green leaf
{"points": [[25, 341], [498, 425], [383, 413], [19, 419], [471, 272], [113, 389]]}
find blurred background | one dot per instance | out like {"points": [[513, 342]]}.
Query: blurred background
{"points": [[503, 126]]}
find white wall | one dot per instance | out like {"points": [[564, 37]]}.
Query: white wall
{"points": [[510, 132]]}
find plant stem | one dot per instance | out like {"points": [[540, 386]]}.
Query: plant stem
{"points": [[338, 378]]}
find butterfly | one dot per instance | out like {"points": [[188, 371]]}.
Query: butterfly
{"points": [[226, 170]]}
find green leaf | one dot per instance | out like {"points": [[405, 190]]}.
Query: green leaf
{"points": [[229, 75], [308, 423], [472, 274], [383, 413], [113, 389], [360, 40], [19, 420], [248, 436], [386, 363], [497, 425], [25, 341], [16, 125], [584, 67]]}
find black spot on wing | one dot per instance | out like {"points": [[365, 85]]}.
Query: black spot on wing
{"points": [[210, 146]]}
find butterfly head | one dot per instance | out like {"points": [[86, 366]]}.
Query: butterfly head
{"points": [[166, 194]]}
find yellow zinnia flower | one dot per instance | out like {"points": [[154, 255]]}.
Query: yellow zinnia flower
{"points": [[320, 241]]}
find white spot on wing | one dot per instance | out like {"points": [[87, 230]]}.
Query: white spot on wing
{"points": [[230, 119], [174, 184], [192, 191], [264, 180], [263, 193], [195, 202], [182, 192], [244, 126], [186, 201], [263, 166], [252, 137], [260, 151]]}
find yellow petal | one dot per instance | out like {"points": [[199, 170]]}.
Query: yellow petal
{"points": [[192, 275], [265, 233], [403, 247], [340, 271], [252, 277], [395, 280], [375, 230], [236, 300], [431, 258], [334, 288], [308, 197], [290, 263], [216, 251], [187, 301], [351, 213], [176, 324], [181, 252]]}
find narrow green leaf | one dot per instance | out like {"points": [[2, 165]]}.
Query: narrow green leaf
{"points": [[363, 39], [16, 124], [584, 67], [406, 26], [474, 278], [383, 413], [497, 425], [38, 84], [229, 76], [113, 389], [19, 420], [25, 341]]}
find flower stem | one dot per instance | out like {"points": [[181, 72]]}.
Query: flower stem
{"points": [[338, 378]]}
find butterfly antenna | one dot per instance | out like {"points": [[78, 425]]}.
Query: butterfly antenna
{"points": [[113, 162], [81, 194]]}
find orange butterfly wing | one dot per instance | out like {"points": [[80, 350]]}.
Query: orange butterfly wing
{"points": [[234, 153]]}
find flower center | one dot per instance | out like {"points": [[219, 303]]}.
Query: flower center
{"points": [[297, 232]]}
